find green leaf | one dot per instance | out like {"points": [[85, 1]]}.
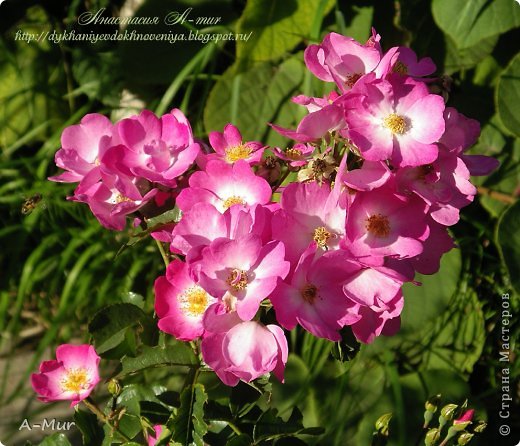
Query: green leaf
{"points": [[270, 426], [109, 325], [276, 27], [425, 303], [508, 241], [188, 425], [508, 96], [463, 58], [469, 22], [55, 440], [174, 355], [241, 440], [87, 423], [259, 93]]}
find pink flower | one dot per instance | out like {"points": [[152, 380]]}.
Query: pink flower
{"points": [[152, 439], [224, 185], [230, 148], [382, 223], [238, 350], [242, 272], [203, 223], [342, 60], [72, 376], [395, 119], [296, 156], [313, 295], [158, 149], [112, 199], [403, 61], [313, 213], [180, 303], [82, 147], [371, 175]]}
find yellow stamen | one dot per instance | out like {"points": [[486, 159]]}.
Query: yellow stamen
{"points": [[237, 279], [395, 123], [121, 198], [321, 236], [309, 293], [378, 225], [294, 154], [194, 301], [234, 199], [236, 153], [75, 381]]}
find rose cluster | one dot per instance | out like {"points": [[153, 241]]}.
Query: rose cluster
{"points": [[324, 232]]}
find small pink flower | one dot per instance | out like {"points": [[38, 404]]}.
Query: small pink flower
{"points": [[313, 296], [180, 303], [238, 350], [224, 185], [158, 149], [82, 147], [395, 119], [72, 376], [230, 148], [297, 156], [314, 213], [466, 417], [242, 272], [382, 223], [342, 60], [403, 61]]}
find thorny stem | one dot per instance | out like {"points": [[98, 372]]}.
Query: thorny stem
{"points": [[102, 417]]}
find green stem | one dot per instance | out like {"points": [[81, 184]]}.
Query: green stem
{"points": [[163, 253], [102, 417]]}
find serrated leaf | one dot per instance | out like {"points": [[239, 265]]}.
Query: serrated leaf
{"points": [[469, 22], [188, 425], [173, 355], [276, 27], [109, 325], [508, 96], [508, 240]]}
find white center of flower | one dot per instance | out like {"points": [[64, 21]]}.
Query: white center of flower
{"points": [[75, 380]]}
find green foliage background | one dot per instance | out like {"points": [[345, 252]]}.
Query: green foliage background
{"points": [[58, 266]]}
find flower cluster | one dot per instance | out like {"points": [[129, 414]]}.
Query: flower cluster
{"points": [[325, 232]]}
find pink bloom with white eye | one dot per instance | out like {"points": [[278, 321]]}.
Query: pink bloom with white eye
{"points": [[376, 321], [152, 439], [395, 118], [312, 296], [342, 60], [224, 185], [296, 156], [113, 198], [382, 223], [230, 148], [403, 61], [313, 213], [242, 272], [82, 147], [203, 223], [180, 303], [72, 376], [158, 149], [238, 350]]}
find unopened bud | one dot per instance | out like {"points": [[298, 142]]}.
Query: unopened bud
{"points": [[464, 438], [382, 424], [447, 414], [432, 437], [480, 427], [433, 403], [114, 387]]}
